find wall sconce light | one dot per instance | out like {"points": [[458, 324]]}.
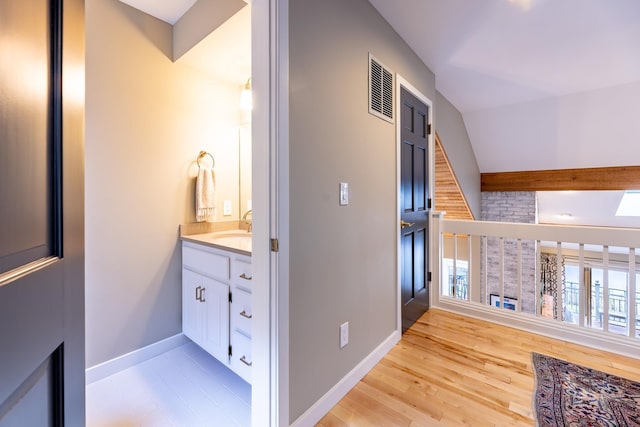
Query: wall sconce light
{"points": [[245, 96]]}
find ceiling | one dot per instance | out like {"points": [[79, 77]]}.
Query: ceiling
{"points": [[541, 84], [167, 10], [215, 55], [490, 53]]}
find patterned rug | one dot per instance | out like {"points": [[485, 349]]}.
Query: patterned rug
{"points": [[572, 395]]}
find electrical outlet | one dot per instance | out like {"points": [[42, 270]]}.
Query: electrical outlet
{"points": [[344, 334], [227, 207]]}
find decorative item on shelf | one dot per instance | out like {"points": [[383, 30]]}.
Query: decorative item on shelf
{"points": [[205, 189], [245, 96]]}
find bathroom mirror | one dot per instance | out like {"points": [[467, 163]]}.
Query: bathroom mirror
{"points": [[244, 168]]}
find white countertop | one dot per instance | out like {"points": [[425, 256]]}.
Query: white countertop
{"points": [[238, 241]]}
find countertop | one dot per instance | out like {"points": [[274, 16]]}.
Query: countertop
{"points": [[231, 239]]}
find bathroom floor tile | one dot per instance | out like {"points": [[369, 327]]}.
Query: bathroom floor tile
{"points": [[181, 388]]}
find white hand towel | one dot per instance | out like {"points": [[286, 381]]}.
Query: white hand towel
{"points": [[205, 195]]}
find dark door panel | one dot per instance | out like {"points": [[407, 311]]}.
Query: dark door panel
{"points": [[25, 160], [41, 214], [414, 175]]}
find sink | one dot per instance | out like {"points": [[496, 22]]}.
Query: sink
{"points": [[231, 234], [236, 239]]}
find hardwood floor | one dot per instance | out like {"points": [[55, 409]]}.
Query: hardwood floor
{"points": [[451, 370]]}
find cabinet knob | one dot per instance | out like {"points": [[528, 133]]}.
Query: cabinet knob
{"points": [[245, 277], [243, 359], [202, 294], [245, 314], [198, 289]]}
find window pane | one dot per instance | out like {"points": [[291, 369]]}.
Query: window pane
{"points": [[618, 302], [571, 296]]}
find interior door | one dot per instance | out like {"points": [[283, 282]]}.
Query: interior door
{"points": [[41, 213], [414, 238]]}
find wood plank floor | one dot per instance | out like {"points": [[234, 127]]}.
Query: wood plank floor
{"points": [[451, 370]]}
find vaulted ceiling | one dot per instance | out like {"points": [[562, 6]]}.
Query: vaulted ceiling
{"points": [[541, 84]]}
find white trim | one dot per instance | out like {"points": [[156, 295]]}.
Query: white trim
{"points": [[269, 28], [338, 391], [401, 82], [120, 363], [567, 332]]}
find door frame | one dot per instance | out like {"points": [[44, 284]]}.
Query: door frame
{"points": [[270, 183], [402, 83]]}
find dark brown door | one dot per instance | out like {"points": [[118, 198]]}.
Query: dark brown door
{"points": [[41, 213], [414, 207]]}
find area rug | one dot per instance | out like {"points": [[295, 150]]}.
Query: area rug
{"points": [[572, 395]]}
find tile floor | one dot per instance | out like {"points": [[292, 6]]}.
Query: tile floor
{"points": [[185, 387]]}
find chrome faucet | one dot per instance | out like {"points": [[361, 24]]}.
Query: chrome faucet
{"points": [[249, 222]]}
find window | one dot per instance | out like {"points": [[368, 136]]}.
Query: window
{"points": [[618, 298], [455, 284]]}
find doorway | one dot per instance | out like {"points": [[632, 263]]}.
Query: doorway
{"points": [[414, 136]]}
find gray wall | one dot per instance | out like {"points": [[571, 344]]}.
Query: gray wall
{"points": [[343, 259], [146, 120], [455, 141]]}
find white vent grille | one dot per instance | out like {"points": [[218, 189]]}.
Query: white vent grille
{"points": [[381, 84]]}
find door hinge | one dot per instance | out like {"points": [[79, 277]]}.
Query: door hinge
{"points": [[429, 129], [230, 351], [428, 276], [429, 203], [275, 245], [230, 297]]}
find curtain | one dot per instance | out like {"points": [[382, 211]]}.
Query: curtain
{"points": [[549, 280]]}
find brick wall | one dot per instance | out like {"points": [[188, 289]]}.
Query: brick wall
{"points": [[511, 207]]}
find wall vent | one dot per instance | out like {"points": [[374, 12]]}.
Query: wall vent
{"points": [[381, 88]]}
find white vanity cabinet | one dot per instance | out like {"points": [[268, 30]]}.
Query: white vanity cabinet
{"points": [[216, 304]]}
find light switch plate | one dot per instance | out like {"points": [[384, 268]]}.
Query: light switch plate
{"points": [[344, 193], [227, 207]]}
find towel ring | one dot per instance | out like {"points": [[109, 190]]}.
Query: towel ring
{"points": [[203, 154]]}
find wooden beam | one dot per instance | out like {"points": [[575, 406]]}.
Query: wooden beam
{"points": [[607, 178]]}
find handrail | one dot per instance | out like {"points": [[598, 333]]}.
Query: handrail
{"points": [[577, 302], [624, 237]]}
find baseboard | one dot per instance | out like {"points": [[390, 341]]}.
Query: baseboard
{"points": [[113, 366], [560, 330], [338, 391]]}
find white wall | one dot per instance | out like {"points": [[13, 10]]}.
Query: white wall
{"points": [[590, 129], [146, 120]]}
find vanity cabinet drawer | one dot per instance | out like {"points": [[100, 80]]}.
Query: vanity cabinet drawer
{"points": [[241, 273], [205, 262], [241, 359], [241, 313]]}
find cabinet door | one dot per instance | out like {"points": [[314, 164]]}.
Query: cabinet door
{"points": [[193, 310], [216, 332]]}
